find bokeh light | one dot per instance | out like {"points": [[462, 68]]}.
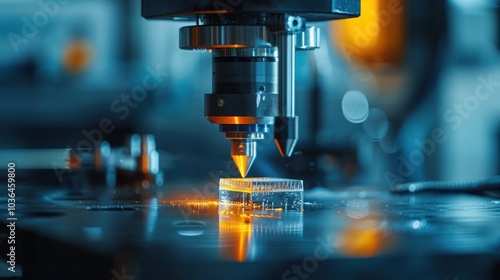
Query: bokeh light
{"points": [[355, 106], [376, 125]]}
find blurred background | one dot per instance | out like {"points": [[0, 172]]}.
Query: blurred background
{"points": [[408, 91]]}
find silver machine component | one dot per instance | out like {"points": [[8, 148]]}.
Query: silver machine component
{"points": [[40, 158], [138, 162], [253, 45], [141, 155]]}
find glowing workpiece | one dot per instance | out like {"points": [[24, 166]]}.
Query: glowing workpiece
{"points": [[273, 194]]}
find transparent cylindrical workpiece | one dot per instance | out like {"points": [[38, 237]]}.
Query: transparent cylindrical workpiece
{"points": [[275, 194]]}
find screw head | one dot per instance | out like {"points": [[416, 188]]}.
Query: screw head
{"points": [[220, 102], [294, 23], [241, 148]]}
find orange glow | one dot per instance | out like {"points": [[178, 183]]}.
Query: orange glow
{"points": [[235, 233], [233, 46], [363, 238], [207, 203], [77, 57], [198, 208], [74, 160], [377, 36], [239, 120]]}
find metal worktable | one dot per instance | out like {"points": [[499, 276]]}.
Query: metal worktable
{"points": [[346, 233]]}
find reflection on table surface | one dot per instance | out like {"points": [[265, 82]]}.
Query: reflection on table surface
{"points": [[338, 232]]}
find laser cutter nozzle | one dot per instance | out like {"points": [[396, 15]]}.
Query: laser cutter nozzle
{"points": [[243, 152]]}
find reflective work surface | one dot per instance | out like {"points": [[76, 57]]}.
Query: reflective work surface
{"points": [[351, 233]]}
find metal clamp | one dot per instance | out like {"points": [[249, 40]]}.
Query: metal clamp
{"points": [[309, 39]]}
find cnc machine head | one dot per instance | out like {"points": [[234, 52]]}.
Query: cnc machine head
{"points": [[253, 45]]}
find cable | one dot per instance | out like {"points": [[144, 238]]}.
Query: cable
{"points": [[477, 186]]}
